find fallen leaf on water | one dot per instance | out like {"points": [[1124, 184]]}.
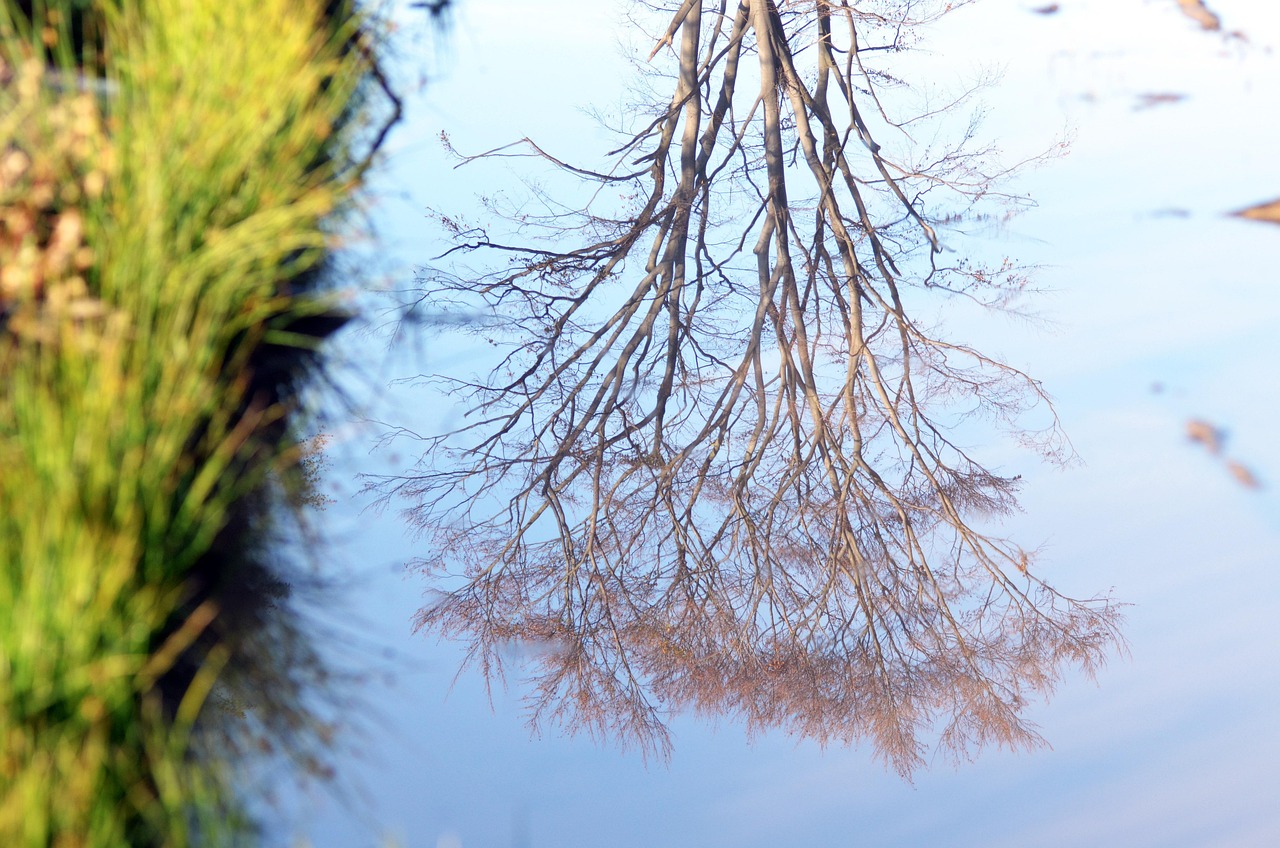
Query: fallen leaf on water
{"points": [[1262, 212], [1197, 11], [1243, 475], [1206, 434], [1158, 98]]}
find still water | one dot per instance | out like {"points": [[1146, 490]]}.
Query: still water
{"points": [[1159, 310]]}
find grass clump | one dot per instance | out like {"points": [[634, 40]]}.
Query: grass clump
{"points": [[154, 227]]}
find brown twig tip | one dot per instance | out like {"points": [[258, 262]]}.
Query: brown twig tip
{"points": [[1198, 12], [668, 38], [663, 42]]}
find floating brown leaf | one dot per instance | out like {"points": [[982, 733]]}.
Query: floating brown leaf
{"points": [[1197, 11], [1158, 98], [1206, 434], [1243, 475], [1262, 212]]}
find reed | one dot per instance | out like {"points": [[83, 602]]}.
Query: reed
{"points": [[150, 228]]}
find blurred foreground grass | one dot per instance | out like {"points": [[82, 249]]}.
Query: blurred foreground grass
{"points": [[150, 228]]}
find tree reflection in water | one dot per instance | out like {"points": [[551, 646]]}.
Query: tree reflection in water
{"points": [[727, 447]]}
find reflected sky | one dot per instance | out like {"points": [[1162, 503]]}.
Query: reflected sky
{"points": [[1150, 287]]}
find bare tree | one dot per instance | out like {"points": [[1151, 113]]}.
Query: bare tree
{"points": [[723, 448]]}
